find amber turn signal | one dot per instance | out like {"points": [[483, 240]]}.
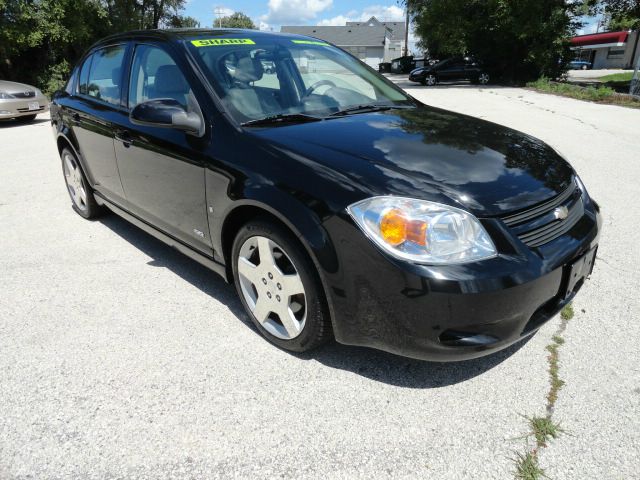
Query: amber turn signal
{"points": [[396, 229]]}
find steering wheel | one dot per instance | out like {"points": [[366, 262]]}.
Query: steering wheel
{"points": [[318, 85]]}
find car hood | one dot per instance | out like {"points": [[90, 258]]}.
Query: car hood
{"points": [[431, 154], [14, 87]]}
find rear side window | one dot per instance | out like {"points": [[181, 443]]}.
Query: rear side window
{"points": [[105, 75], [83, 86], [71, 82]]}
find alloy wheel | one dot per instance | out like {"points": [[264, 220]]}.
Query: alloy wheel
{"points": [[431, 80], [75, 182], [483, 78], [272, 287]]}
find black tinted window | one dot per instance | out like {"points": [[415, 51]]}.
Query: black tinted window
{"points": [[154, 75], [84, 76], [105, 75]]}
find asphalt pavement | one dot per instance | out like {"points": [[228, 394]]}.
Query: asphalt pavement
{"points": [[121, 358]]}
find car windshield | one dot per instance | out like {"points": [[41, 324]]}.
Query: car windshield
{"points": [[263, 76]]}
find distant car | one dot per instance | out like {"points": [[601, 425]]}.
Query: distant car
{"points": [[580, 65], [21, 101], [451, 69]]}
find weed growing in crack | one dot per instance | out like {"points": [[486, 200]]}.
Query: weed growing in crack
{"points": [[554, 376], [544, 429], [527, 467], [567, 312]]}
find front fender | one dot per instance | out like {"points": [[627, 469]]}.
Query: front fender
{"points": [[226, 210]]}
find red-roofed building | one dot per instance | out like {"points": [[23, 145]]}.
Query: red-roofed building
{"points": [[608, 49]]}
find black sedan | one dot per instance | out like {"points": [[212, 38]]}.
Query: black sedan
{"points": [[451, 70], [339, 206]]}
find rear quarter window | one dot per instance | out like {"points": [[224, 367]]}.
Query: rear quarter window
{"points": [[105, 75]]}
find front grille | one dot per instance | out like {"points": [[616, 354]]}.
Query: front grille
{"points": [[29, 94], [540, 224]]}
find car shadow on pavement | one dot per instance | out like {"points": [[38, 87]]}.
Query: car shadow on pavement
{"points": [[18, 123], [373, 364]]}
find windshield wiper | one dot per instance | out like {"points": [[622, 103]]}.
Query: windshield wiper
{"points": [[282, 118], [367, 108]]}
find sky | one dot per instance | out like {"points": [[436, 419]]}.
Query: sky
{"points": [[272, 14]]}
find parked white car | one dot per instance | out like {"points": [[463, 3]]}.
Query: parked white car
{"points": [[18, 100]]}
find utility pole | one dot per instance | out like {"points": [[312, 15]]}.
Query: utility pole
{"points": [[406, 34], [219, 12]]}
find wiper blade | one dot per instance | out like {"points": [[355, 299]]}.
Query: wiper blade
{"points": [[367, 108], [282, 118]]}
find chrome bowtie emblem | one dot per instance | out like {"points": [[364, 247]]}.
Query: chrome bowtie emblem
{"points": [[561, 213]]}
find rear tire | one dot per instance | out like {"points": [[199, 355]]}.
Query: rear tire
{"points": [[279, 287], [82, 199]]}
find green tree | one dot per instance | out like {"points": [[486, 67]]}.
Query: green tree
{"points": [[236, 20], [40, 40], [622, 14], [518, 40]]}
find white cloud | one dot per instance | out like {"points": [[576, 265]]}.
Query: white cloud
{"points": [[392, 13], [294, 12]]}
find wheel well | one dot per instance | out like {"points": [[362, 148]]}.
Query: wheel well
{"points": [[234, 222], [244, 214], [62, 143]]}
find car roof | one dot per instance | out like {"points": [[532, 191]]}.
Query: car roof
{"points": [[178, 34]]}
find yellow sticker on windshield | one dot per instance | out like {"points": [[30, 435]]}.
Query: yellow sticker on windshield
{"points": [[310, 42], [217, 42]]}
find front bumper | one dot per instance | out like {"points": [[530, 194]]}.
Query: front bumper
{"points": [[20, 107], [456, 312]]}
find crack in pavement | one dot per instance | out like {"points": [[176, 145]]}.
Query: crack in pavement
{"points": [[543, 428]]}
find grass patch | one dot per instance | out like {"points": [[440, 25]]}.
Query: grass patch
{"points": [[567, 312], [617, 77], [597, 94], [544, 429], [527, 467]]}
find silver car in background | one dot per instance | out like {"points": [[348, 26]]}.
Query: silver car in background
{"points": [[21, 101]]}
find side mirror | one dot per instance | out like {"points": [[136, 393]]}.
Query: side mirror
{"points": [[167, 113]]}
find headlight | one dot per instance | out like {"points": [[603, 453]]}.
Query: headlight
{"points": [[5, 96], [423, 232]]}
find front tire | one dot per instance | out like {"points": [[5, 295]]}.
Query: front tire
{"points": [[82, 199], [430, 81], [27, 118], [279, 287]]}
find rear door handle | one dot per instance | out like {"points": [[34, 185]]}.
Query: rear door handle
{"points": [[124, 137]]}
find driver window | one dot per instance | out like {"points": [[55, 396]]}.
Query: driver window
{"points": [[155, 75]]}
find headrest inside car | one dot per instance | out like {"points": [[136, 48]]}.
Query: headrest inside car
{"points": [[169, 79], [248, 70]]}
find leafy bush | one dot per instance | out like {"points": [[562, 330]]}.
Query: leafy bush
{"points": [[54, 78]]}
